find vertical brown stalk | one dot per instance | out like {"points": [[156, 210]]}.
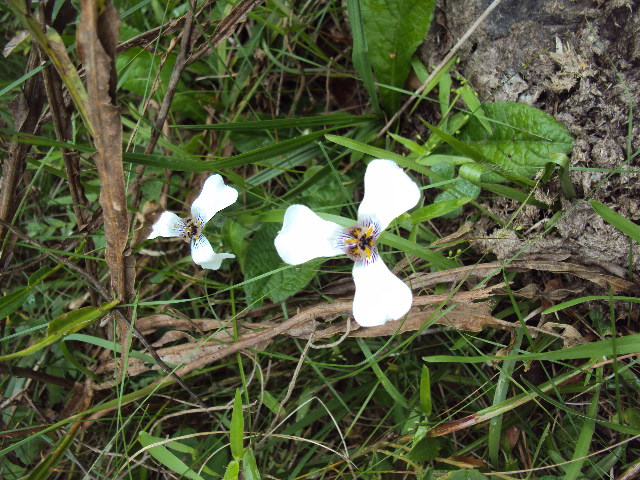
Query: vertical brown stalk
{"points": [[25, 110], [97, 39]]}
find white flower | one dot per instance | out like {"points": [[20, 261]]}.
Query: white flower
{"points": [[380, 295], [214, 197]]}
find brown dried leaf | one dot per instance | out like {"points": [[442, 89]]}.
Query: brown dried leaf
{"points": [[97, 39], [16, 40]]}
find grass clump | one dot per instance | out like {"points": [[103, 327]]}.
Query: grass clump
{"points": [[121, 358]]}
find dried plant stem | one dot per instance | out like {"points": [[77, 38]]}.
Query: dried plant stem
{"points": [[25, 109], [97, 38]]}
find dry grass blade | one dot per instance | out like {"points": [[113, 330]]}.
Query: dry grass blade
{"points": [[487, 270], [97, 39], [197, 353]]}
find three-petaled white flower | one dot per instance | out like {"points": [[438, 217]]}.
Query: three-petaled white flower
{"points": [[214, 197], [380, 295]]}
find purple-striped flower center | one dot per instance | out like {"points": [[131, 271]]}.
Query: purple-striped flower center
{"points": [[360, 241]]}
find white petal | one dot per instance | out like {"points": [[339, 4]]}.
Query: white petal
{"points": [[388, 193], [203, 254], [214, 197], [380, 295], [305, 236], [168, 225]]}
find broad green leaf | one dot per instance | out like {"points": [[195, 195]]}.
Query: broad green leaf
{"points": [[623, 224], [165, 457], [426, 449], [64, 325], [236, 432], [393, 30], [425, 390], [444, 94], [233, 469], [249, 466], [522, 141], [493, 171], [262, 259]]}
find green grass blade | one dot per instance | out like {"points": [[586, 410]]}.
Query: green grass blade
{"points": [[64, 325], [586, 434], [236, 432], [360, 52], [384, 380], [623, 224], [623, 346], [332, 119], [165, 457], [591, 298], [425, 390]]}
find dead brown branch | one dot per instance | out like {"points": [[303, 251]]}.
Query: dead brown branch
{"points": [[97, 38]]}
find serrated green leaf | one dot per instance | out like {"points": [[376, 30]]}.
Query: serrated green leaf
{"points": [[236, 432], [613, 218], [64, 325], [165, 457], [522, 141], [262, 258], [393, 30]]}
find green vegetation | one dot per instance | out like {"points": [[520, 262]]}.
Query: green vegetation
{"points": [[121, 358]]}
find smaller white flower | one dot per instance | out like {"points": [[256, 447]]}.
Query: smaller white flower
{"points": [[214, 197], [380, 295]]}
